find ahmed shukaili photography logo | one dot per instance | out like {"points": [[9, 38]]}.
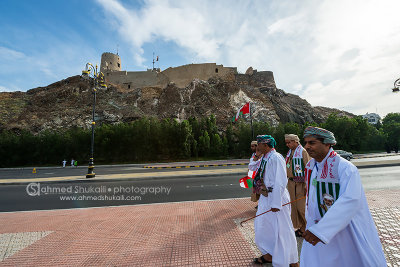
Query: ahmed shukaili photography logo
{"points": [[101, 192], [33, 189]]}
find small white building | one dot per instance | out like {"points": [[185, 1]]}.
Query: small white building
{"points": [[372, 118]]}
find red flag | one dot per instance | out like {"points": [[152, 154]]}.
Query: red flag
{"points": [[246, 182], [243, 110]]}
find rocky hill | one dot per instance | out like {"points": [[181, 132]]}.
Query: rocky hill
{"points": [[68, 103]]}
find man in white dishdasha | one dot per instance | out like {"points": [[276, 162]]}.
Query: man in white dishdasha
{"points": [[340, 229], [274, 233]]}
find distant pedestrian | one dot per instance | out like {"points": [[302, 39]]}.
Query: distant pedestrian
{"points": [[340, 229], [76, 164], [253, 146], [64, 163], [72, 162]]}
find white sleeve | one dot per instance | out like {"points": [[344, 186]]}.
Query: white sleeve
{"points": [[253, 165], [277, 169], [346, 206]]}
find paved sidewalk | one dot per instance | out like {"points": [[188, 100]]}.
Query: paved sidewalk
{"points": [[202, 233]]}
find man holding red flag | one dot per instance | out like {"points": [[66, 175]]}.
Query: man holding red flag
{"points": [[247, 181], [254, 196], [274, 233]]}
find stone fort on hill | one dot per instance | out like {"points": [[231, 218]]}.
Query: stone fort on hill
{"points": [[181, 76]]}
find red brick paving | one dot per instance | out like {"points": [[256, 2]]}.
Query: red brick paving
{"points": [[201, 233], [175, 234]]}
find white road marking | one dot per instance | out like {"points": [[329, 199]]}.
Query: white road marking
{"points": [[208, 185]]}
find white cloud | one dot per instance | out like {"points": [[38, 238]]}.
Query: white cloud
{"points": [[287, 25], [4, 89], [341, 54], [356, 55], [22, 71], [10, 54], [184, 25]]}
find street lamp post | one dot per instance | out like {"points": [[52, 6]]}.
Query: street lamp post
{"points": [[396, 86], [97, 77]]}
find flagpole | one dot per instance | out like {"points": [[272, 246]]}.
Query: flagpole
{"points": [[251, 122], [153, 62]]}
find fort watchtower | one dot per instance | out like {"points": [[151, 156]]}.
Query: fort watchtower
{"points": [[110, 62]]}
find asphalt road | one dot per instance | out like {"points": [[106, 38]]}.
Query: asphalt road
{"points": [[81, 171], [23, 173], [97, 194]]}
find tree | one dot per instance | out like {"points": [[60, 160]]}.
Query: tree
{"points": [[244, 138], [229, 139], [185, 138], [216, 148], [204, 144], [391, 127], [212, 125], [279, 136], [225, 147]]}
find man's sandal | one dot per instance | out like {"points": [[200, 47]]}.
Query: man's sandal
{"points": [[261, 260]]}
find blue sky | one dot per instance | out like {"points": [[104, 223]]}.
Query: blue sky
{"points": [[341, 54]]}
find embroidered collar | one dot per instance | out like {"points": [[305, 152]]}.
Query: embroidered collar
{"points": [[298, 153], [263, 163], [328, 163]]}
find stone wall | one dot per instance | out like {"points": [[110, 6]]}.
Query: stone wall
{"points": [[183, 75], [137, 79]]}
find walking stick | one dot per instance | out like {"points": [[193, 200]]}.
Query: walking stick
{"points": [[269, 211]]}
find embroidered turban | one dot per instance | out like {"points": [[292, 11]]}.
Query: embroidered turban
{"points": [[292, 137], [327, 196], [317, 132], [266, 139], [253, 142]]}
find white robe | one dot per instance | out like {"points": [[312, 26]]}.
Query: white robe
{"points": [[274, 233], [347, 228]]}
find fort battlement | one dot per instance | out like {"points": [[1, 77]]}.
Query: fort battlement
{"points": [[181, 76]]}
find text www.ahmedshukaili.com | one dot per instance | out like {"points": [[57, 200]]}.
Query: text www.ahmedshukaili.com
{"points": [[101, 198]]}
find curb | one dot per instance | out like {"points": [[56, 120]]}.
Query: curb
{"points": [[193, 166], [122, 179], [68, 167], [378, 165]]}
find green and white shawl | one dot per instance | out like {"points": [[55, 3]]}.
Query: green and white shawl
{"points": [[297, 163]]}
